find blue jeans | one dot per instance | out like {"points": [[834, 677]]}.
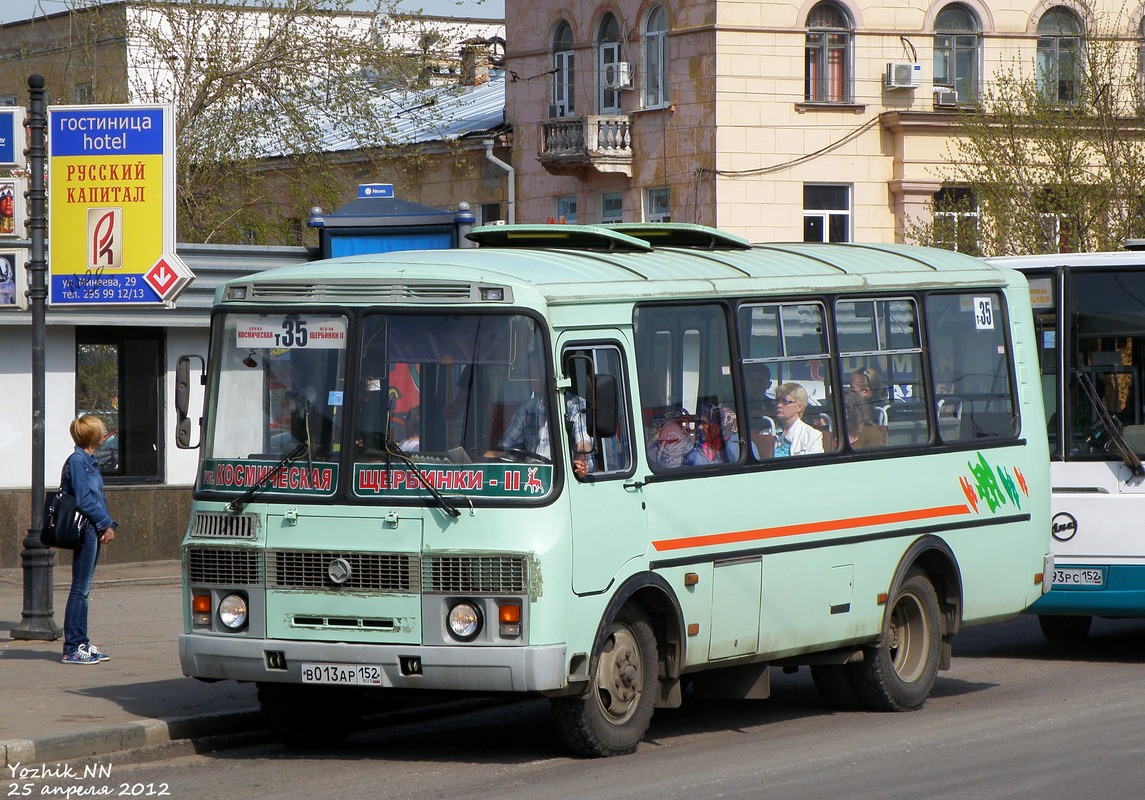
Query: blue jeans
{"points": [[83, 571]]}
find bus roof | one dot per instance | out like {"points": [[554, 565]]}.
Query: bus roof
{"points": [[1113, 258], [572, 264]]}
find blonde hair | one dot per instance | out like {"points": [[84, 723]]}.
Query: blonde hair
{"points": [[87, 431], [793, 390]]}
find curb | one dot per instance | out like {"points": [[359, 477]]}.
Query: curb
{"points": [[126, 736]]}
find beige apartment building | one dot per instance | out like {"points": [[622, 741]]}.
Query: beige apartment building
{"points": [[815, 120]]}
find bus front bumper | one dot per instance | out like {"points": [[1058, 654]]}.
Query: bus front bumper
{"points": [[458, 668]]}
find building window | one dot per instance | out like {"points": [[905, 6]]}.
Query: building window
{"points": [[956, 56], [1059, 67], [956, 220], [566, 210], [826, 213], [827, 68], [490, 212], [564, 66], [657, 205], [1141, 66], [611, 207], [119, 377], [656, 58], [608, 65], [8, 100], [82, 93]]}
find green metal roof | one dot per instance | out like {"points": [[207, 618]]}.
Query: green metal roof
{"points": [[571, 263]]}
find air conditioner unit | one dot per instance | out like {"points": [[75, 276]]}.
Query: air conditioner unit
{"points": [[618, 75], [945, 96], [556, 110], [903, 75]]}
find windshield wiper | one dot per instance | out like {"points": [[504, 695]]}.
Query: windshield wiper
{"points": [[237, 504], [393, 450], [1127, 453]]}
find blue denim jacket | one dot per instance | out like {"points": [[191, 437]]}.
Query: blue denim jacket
{"points": [[86, 483]]}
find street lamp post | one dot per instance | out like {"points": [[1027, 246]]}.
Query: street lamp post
{"points": [[37, 560]]}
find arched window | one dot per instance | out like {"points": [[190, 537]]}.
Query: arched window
{"points": [[609, 71], [656, 58], [956, 49], [827, 68], [564, 63], [1059, 67]]}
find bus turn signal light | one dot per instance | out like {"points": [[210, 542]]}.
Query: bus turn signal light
{"points": [[201, 610], [509, 615]]}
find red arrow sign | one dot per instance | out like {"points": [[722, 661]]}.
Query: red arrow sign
{"points": [[161, 277]]}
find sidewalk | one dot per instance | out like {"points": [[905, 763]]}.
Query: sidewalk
{"points": [[54, 712]]}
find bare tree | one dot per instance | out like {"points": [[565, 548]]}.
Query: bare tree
{"points": [[1052, 161], [260, 93]]}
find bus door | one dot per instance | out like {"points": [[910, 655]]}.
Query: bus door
{"points": [[607, 516]]}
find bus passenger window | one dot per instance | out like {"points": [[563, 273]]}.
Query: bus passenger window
{"points": [[787, 381], [594, 452], [969, 360], [688, 409]]}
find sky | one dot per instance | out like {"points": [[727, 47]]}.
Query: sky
{"points": [[17, 10]]}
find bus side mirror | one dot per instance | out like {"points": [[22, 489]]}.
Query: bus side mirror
{"points": [[603, 400], [183, 401]]}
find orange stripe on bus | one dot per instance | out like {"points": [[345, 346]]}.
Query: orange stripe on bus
{"points": [[811, 527]]}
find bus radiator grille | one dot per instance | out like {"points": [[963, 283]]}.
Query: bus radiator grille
{"points": [[232, 566], [369, 572], [475, 574]]}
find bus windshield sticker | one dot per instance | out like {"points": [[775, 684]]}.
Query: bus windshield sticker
{"points": [[482, 480], [314, 479], [291, 332], [983, 313]]}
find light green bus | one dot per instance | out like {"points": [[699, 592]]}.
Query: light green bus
{"points": [[610, 466]]}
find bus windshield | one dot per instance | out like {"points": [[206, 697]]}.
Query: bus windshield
{"points": [[431, 393]]}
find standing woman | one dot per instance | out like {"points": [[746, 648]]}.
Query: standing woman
{"points": [[82, 478]]}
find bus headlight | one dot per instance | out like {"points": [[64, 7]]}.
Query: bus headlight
{"points": [[465, 621], [233, 611]]}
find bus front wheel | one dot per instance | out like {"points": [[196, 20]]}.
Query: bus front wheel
{"points": [[898, 672], [613, 716]]}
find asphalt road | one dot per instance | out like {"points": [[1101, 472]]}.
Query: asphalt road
{"points": [[1015, 717]]}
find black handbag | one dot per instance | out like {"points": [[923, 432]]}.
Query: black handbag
{"points": [[63, 522]]}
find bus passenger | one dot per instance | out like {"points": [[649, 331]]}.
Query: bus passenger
{"points": [[796, 437], [862, 432], [760, 404], [868, 385]]}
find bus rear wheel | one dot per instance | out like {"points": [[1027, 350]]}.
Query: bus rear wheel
{"points": [[898, 672], [1064, 628], [613, 716]]}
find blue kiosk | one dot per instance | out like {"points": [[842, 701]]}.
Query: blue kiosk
{"points": [[378, 222]]}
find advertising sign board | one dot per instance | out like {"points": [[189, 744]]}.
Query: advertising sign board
{"points": [[111, 206]]}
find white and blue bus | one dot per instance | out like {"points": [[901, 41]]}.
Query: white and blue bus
{"points": [[611, 466], [1089, 311]]}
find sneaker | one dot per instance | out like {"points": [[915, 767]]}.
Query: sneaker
{"points": [[80, 656], [95, 652]]}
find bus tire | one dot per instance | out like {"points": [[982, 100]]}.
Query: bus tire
{"points": [[898, 672], [836, 686], [306, 716], [1065, 628], [612, 718]]}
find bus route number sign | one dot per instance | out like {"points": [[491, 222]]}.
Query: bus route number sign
{"points": [[293, 333]]}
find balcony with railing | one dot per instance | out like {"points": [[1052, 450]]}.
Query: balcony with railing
{"points": [[599, 142]]}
